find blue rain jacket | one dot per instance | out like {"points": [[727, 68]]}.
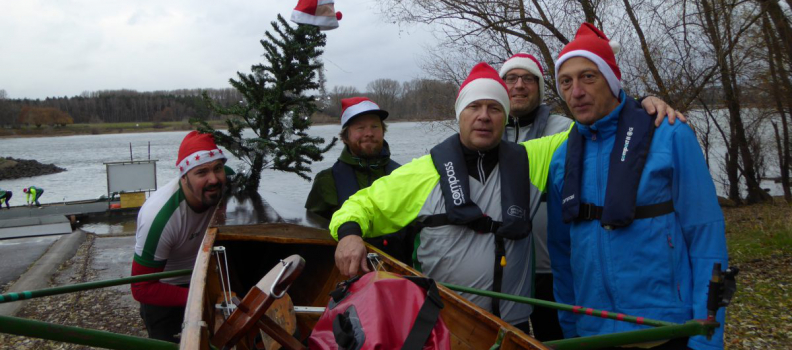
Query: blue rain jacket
{"points": [[657, 267]]}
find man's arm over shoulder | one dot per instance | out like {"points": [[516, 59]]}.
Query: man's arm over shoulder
{"points": [[323, 198], [390, 203], [559, 246], [701, 220], [540, 153]]}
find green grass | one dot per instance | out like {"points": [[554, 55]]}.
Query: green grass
{"points": [[759, 239]]}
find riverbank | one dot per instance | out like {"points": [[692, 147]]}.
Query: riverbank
{"points": [[101, 129], [128, 128]]}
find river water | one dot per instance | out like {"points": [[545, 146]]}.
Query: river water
{"points": [[83, 157]]}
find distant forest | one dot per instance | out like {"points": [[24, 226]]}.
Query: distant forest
{"points": [[416, 99]]}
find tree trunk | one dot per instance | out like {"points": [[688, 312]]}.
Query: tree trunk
{"points": [[775, 59], [739, 142]]}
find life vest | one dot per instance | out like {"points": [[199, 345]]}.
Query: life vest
{"points": [[346, 181], [450, 163], [627, 159]]}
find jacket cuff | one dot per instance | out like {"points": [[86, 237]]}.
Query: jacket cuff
{"points": [[349, 228]]}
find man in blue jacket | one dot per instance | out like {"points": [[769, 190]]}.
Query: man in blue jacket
{"points": [[634, 223]]}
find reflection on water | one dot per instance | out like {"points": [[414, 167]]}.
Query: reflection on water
{"points": [[110, 225]]}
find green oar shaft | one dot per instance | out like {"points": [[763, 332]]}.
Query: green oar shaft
{"points": [[75, 335], [689, 329], [564, 307], [8, 297]]}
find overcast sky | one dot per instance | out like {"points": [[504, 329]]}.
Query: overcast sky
{"points": [[65, 47]]}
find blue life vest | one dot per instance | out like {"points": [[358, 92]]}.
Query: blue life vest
{"points": [[627, 160]]}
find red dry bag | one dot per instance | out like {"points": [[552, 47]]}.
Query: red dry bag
{"points": [[381, 310]]}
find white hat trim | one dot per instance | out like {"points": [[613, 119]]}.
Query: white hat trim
{"points": [[529, 65], [323, 22], [605, 69], [325, 2], [354, 110], [482, 89], [204, 157]]}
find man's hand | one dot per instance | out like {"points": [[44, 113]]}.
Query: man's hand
{"points": [[656, 106], [350, 255]]}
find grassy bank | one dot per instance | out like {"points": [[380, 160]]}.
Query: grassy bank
{"points": [[101, 128], [760, 244]]}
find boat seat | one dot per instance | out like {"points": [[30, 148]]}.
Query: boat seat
{"points": [[252, 317]]}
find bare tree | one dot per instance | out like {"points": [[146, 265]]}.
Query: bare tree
{"points": [[385, 92]]}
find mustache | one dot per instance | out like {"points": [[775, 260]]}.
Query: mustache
{"points": [[213, 187]]}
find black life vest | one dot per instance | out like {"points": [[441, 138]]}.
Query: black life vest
{"points": [[461, 210], [346, 180]]}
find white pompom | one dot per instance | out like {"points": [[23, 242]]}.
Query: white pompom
{"points": [[615, 46]]}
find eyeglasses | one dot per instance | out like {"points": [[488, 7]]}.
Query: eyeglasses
{"points": [[526, 79]]}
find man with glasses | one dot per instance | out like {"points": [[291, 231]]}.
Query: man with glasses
{"points": [[529, 118]]}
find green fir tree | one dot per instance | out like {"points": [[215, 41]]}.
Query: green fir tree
{"points": [[276, 107]]}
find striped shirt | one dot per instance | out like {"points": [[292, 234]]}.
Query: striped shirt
{"points": [[169, 232]]}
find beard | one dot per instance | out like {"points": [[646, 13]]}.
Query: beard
{"points": [[208, 199], [366, 150]]}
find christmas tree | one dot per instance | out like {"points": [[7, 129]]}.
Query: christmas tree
{"points": [[275, 106]]}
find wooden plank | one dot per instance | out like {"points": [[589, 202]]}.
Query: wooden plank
{"points": [[194, 334]]}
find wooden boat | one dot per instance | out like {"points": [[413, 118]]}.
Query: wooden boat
{"points": [[256, 235]]}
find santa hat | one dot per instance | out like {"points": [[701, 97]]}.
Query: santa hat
{"points": [[355, 106], [320, 13], [592, 44], [483, 83], [528, 62], [197, 149]]}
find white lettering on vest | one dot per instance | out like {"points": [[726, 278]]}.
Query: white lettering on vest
{"points": [[567, 199], [626, 143], [456, 189]]}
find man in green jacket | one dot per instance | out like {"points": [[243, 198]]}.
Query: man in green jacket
{"points": [[365, 158], [5, 197], [33, 194]]}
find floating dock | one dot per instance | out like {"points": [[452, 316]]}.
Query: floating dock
{"points": [[52, 219]]}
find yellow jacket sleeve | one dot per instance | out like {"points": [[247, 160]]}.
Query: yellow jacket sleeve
{"points": [[391, 202], [540, 153]]}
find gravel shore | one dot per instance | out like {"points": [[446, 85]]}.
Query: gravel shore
{"points": [[108, 309]]}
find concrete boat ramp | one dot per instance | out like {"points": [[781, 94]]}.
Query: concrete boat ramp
{"points": [[49, 219]]}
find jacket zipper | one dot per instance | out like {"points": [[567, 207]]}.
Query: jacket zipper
{"points": [[480, 167], [674, 284], [601, 232]]}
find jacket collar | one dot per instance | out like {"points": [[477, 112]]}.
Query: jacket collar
{"points": [[365, 163], [525, 120], [605, 127]]}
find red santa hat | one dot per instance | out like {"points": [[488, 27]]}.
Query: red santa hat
{"points": [[197, 149], [355, 106], [483, 83], [531, 64], [592, 44], [320, 13]]}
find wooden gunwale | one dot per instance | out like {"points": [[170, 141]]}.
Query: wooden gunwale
{"points": [[471, 327]]}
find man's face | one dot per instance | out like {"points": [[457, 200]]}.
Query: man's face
{"points": [[523, 97], [203, 185], [585, 90], [365, 136], [481, 124]]}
